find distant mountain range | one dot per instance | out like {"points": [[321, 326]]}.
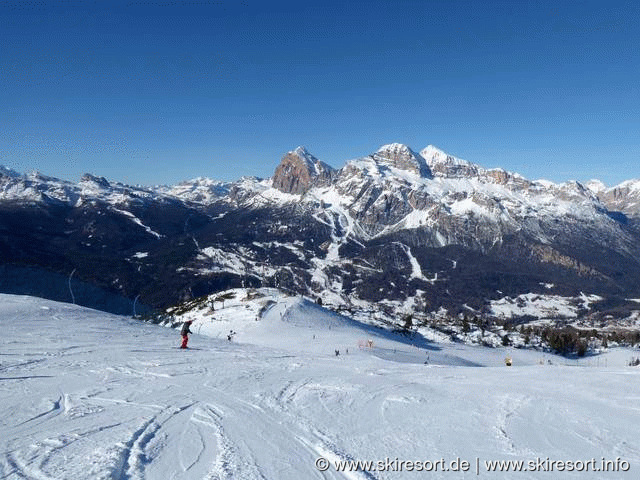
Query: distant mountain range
{"points": [[396, 230]]}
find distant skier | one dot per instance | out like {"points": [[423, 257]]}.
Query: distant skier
{"points": [[231, 334], [185, 333]]}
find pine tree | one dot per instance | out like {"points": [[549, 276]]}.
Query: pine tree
{"points": [[466, 328]]}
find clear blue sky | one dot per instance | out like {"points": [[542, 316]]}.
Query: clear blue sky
{"points": [[156, 92]]}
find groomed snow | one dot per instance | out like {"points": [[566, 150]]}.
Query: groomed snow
{"points": [[86, 395]]}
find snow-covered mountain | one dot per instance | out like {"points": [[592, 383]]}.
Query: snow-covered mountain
{"points": [[624, 197], [397, 228]]}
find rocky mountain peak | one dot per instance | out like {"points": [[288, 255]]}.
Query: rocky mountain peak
{"points": [[596, 186], [624, 197], [445, 165], [8, 172], [100, 181], [304, 154], [36, 176], [299, 170], [402, 157]]}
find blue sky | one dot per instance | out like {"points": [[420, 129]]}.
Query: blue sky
{"points": [[158, 92]]}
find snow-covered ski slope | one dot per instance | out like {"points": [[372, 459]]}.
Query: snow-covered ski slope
{"points": [[86, 395], [268, 317]]}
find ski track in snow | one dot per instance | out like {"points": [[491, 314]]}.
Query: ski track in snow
{"points": [[117, 401]]}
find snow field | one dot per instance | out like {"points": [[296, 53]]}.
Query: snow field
{"points": [[85, 394]]}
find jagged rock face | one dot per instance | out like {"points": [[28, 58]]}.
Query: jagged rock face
{"points": [[387, 208], [403, 158], [383, 200], [292, 175], [98, 181], [499, 176], [299, 171], [445, 165], [623, 198]]}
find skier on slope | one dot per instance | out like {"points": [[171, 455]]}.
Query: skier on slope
{"points": [[185, 333]]}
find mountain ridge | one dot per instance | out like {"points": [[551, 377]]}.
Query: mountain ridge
{"points": [[437, 161], [427, 230]]}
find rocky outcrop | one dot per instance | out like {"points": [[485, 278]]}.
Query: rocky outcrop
{"points": [[98, 181], [445, 165], [403, 158], [547, 254], [623, 198], [298, 171]]}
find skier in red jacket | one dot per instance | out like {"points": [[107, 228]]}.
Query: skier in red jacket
{"points": [[185, 333]]}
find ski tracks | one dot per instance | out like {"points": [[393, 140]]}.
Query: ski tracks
{"points": [[44, 459], [223, 440], [146, 442], [291, 401], [508, 407], [230, 461], [255, 441]]}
